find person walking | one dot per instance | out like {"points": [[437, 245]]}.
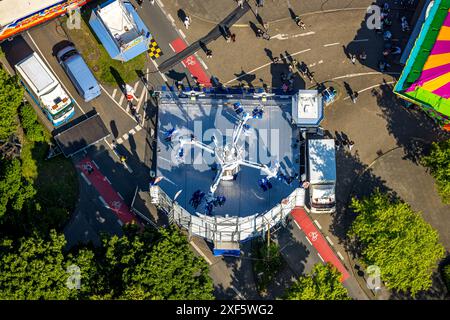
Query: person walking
{"points": [[233, 37], [350, 145], [208, 53], [354, 96], [187, 22], [363, 56], [240, 3], [353, 58]]}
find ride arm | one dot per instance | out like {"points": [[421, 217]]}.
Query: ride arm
{"points": [[238, 131], [269, 172], [216, 182], [184, 141]]}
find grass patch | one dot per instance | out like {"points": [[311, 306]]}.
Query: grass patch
{"points": [[106, 69], [267, 264]]}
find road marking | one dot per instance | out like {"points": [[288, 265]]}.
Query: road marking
{"points": [[320, 257], [119, 140], [321, 61], [312, 65], [308, 240], [298, 226], [160, 3], [118, 193], [85, 179], [318, 225], [182, 62], [202, 62], [265, 65], [170, 45], [48, 64], [160, 73], [331, 44], [114, 93], [340, 256], [117, 103], [118, 157], [362, 74], [285, 36], [200, 252], [329, 240], [136, 86], [125, 136], [360, 40], [172, 20], [106, 178], [237, 292], [141, 99], [371, 87], [182, 33], [121, 99], [119, 222], [103, 201], [95, 164], [138, 128], [132, 131]]}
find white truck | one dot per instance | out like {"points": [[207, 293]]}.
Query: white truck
{"points": [[322, 175], [45, 89]]}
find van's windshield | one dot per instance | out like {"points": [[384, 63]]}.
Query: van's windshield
{"points": [[63, 112]]}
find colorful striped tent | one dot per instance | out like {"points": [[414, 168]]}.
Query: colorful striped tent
{"points": [[425, 80]]}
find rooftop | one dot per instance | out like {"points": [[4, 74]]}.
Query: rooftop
{"points": [[118, 21], [269, 140]]}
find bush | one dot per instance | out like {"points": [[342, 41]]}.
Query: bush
{"points": [[269, 262], [446, 276], [34, 131]]}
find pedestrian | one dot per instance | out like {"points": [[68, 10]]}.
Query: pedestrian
{"points": [[139, 2], [152, 2], [129, 93], [260, 3], [187, 22], [276, 60], [353, 58], [233, 37], [228, 38], [208, 53], [354, 96], [123, 159], [350, 145], [240, 3], [89, 169], [363, 56]]}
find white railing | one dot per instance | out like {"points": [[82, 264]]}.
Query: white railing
{"points": [[219, 228]]}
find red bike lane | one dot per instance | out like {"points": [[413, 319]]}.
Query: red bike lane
{"points": [[318, 241], [106, 191], [191, 63]]}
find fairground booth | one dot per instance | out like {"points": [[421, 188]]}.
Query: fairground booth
{"points": [[17, 16], [425, 80], [120, 29]]}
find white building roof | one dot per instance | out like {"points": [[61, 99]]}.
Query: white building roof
{"points": [[307, 107], [322, 160], [119, 23], [11, 10]]}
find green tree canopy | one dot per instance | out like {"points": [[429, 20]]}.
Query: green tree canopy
{"points": [[153, 265], [398, 241], [322, 284], [33, 268], [439, 163], [14, 190], [11, 96]]}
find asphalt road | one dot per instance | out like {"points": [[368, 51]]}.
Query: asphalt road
{"points": [[233, 279]]}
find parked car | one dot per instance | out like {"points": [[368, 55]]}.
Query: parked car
{"points": [[79, 73]]}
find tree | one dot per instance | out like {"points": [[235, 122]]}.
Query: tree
{"points": [[11, 96], [322, 284], [154, 266], [33, 268], [439, 163], [398, 241], [14, 190]]}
